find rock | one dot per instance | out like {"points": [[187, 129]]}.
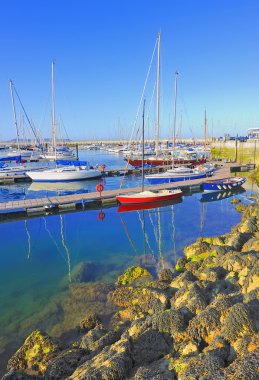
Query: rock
{"points": [[183, 279], [144, 299], [191, 297], [189, 348], [248, 226], [64, 364], [235, 201], [251, 280], [180, 265], [243, 368], [165, 275], [206, 366], [14, 374], [112, 362], [236, 240], [131, 274], [238, 323], [158, 370], [89, 339], [198, 250], [149, 346], [170, 321], [205, 326], [241, 207], [84, 272], [252, 245], [97, 343], [35, 354], [90, 322], [212, 274], [224, 302]]}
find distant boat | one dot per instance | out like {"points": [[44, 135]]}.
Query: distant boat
{"points": [[181, 173], [224, 184]]}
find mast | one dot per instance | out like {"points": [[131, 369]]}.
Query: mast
{"points": [[205, 134], [15, 118], [53, 108], [175, 103], [143, 143], [157, 94]]}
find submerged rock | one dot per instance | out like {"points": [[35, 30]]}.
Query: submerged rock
{"points": [[131, 274], [165, 275]]}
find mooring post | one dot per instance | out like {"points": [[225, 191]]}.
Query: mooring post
{"points": [[77, 152], [236, 148]]}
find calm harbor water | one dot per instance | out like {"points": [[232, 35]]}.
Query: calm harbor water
{"points": [[41, 257]]}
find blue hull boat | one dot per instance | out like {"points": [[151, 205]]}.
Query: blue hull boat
{"points": [[168, 177], [224, 184]]}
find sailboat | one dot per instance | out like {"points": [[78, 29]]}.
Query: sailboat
{"points": [[76, 172], [180, 173], [148, 196]]}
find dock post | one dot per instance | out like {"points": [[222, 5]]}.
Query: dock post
{"points": [[77, 152], [236, 148]]}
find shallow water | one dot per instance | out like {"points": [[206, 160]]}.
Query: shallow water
{"points": [[39, 256]]}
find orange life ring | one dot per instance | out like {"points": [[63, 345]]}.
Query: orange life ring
{"points": [[99, 187]]}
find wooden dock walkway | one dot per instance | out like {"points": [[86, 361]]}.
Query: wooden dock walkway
{"points": [[108, 196]]}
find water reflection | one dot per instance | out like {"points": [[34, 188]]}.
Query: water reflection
{"points": [[157, 222], [60, 187], [219, 195]]}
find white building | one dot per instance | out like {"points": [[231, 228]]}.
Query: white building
{"points": [[253, 133]]}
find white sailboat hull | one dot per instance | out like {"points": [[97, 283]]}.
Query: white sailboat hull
{"points": [[64, 174]]}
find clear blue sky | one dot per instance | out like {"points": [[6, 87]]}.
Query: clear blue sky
{"points": [[102, 50]]}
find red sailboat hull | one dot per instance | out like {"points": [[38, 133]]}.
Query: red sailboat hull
{"points": [[124, 199], [136, 162]]}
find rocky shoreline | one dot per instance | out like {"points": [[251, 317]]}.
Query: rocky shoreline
{"points": [[197, 322]]}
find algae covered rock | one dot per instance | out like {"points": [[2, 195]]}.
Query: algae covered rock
{"points": [[90, 322], [14, 374], [64, 364], [165, 275], [191, 297], [203, 367], [238, 323], [35, 354], [131, 274], [243, 368], [204, 326], [158, 370], [149, 346], [114, 362], [144, 299]]}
